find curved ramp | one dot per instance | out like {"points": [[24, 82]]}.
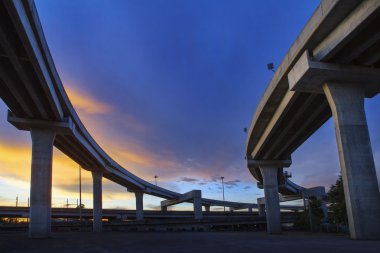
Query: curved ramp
{"points": [[32, 89]]}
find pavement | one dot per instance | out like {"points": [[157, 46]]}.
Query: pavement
{"points": [[184, 242]]}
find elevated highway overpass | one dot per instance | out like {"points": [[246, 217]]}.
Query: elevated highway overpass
{"points": [[328, 71], [31, 88]]}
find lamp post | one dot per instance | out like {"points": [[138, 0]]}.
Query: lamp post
{"points": [[155, 179], [80, 194], [224, 202]]}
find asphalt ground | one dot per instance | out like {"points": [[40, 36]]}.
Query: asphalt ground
{"points": [[184, 242]]}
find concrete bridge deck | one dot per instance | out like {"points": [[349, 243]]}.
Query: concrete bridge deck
{"points": [[31, 88], [328, 71]]}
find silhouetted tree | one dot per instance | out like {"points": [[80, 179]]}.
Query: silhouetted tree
{"points": [[78, 206], [337, 203], [303, 219]]}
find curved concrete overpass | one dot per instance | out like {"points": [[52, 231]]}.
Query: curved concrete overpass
{"points": [[31, 88], [328, 71]]}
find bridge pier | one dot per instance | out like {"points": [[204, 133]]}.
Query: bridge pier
{"points": [[356, 159], [139, 205], [272, 201], [41, 183], [97, 201], [261, 208], [207, 208], [197, 204]]}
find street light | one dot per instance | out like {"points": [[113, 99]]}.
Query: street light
{"points": [[80, 194], [270, 66], [224, 202], [155, 179]]}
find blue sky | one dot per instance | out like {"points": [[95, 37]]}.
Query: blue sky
{"points": [[166, 88]]}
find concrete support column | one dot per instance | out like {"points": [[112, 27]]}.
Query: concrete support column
{"points": [[261, 208], [249, 209], [97, 201], [139, 205], [272, 202], [197, 202], [207, 208], [164, 208], [41, 183], [356, 160]]}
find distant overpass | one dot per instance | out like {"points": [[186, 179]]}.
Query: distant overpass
{"points": [[119, 214], [328, 71]]}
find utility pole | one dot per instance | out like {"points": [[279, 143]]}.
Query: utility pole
{"points": [[17, 200], [224, 202], [155, 179], [80, 194]]}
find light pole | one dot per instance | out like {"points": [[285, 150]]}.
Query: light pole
{"points": [[17, 200], [224, 202], [155, 179], [80, 194]]}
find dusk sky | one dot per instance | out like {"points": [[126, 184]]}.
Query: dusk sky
{"points": [[166, 88]]}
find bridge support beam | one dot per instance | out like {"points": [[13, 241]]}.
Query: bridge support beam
{"points": [[356, 159], [272, 202], [194, 196], [97, 201], [41, 183], [139, 205], [207, 208]]}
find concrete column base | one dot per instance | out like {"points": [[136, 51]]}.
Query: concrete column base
{"points": [[139, 205], [197, 203], [97, 225], [272, 201], [360, 184], [41, 183]]}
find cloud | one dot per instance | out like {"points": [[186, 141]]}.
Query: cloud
{"points": [[247, 187], [15, 164], [83, 101], [232, 183], [188, 180]]}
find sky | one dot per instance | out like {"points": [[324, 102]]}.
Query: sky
{"points": [[166, 88]]}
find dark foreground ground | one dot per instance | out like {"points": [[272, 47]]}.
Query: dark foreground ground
{"points": [[183, 242]]}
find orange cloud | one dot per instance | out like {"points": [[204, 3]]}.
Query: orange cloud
{"points": [[83, 101], [15, 163]]}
